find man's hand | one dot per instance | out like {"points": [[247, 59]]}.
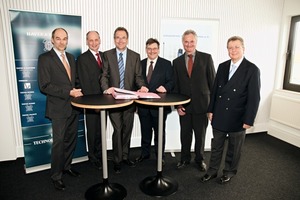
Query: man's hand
{"points": [[181, 110], [143, 89], [161, 89], [76, 93], [209, 116]]}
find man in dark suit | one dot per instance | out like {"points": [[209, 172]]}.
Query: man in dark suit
{"points": [[122, 69], [56, 77], [89, 70], [234, 103], [158, 74], [194, 75]]}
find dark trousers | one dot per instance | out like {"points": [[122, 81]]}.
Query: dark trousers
{"points": [[64, 142], [93, 125], [122, 122], [149, 125], [190, 123], [233, 154]]}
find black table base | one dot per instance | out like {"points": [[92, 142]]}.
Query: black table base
{"points": [[158, 185], [106, 191]]}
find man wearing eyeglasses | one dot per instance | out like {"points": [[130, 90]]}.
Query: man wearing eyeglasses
{"points": [[158, 75]]}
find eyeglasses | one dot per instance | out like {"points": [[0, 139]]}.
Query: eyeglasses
{"points": [[233, 48], [152, 49]]}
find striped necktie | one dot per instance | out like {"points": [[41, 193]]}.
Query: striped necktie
{"points": [[121, 70]]}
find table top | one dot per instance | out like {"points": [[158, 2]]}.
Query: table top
{"points": [[166, 99], [100, 101]]}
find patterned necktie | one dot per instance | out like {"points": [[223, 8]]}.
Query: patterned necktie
{"points": [[99, 60], [231, 72], [66, 65], [121, 70], [150, 70], [190, 65]]}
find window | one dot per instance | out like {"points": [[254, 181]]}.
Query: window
{"points": [[292, 67]]}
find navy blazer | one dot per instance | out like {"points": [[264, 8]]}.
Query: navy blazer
{"points": [[89, 73], [235, 102], [55, 83]]}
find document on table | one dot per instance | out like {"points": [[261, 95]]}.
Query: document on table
{"points": [[128, 94]]}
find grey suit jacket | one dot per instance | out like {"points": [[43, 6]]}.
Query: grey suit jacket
{"points": [[133, 79], [55, 83], [199, 86], [236, 101]]}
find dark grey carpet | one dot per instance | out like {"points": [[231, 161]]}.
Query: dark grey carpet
{"points": [[269, 170]]}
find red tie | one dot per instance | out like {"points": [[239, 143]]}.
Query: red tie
{"points": [[150, 71], [99, 60], [190, 65]]}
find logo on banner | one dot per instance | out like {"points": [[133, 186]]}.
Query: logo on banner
{"points": [[47, 45]]}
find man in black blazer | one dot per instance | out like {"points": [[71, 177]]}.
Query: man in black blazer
{"points": [[234, 103], [89, 70], [158, 74], [194, 75], [56, 77], [129, 78]]}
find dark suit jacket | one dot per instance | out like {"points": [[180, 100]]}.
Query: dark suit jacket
{"points": [[133, 79], [162, 76], [89, 73], [55, 83], [235, 102], [197, 87]]}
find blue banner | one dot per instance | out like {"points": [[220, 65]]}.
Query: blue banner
{"points": [[31, 34]]}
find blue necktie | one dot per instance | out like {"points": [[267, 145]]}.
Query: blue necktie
{"points": [[231, 72], [121, 70]]}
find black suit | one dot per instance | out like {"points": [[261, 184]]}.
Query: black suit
{"points": [[233, 103], [198, 88], [55, 83], [162, 76], [89, 74], [122, 118]]}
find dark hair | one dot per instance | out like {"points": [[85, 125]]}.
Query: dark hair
{"points": [[120, 29], [151, 41], [53, 32]]}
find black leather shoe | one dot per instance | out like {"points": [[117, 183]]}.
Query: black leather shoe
{"points": [[182, 164], [72, 172], [117, 168], [59, 185], [202, 166], [141, 159], [225, 179], [129, 163], [207, 177]]}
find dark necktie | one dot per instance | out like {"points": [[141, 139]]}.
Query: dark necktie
{"points": [[121, 70], [190, 65], [150, 71], [99, 60]]}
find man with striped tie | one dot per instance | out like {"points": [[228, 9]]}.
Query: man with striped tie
{"points": [[122, 69]]}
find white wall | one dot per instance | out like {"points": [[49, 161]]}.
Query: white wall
{"points": [[285, 105], [258, 22]]}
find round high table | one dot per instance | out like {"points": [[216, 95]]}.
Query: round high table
{"points": [[160, 185], [104, 190]]}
